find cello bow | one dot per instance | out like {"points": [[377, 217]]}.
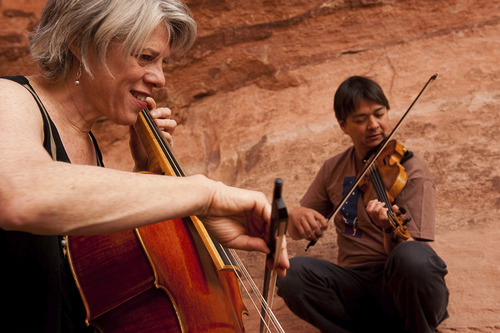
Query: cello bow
{"points": [[277, 232]]}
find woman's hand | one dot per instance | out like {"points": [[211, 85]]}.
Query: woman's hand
{"points": [[166, 126], [239, 219], [283, 263]]}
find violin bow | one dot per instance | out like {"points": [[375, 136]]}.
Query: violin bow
{"points": [[374, 156], [277, 232]]}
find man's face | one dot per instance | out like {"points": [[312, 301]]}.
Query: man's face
{"points": [[367, 126]]}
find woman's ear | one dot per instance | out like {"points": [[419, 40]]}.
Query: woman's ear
{"points": [[74, 48]]}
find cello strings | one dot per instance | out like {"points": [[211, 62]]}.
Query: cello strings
{"points": [[255, 290], [163, 143], [264, 305]]}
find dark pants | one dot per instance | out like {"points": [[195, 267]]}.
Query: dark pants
{"points": [[406, 294]]}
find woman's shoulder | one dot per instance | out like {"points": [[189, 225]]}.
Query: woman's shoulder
{"points": [[18, 104], [11, 88]]}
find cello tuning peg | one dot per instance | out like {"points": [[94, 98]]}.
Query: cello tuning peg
{"points": [[402, 210], [408, 219]]}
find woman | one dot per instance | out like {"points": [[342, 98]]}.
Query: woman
{"points": [[98, 59]]}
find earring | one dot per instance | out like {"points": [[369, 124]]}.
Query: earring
{"points": [[78, 75]]}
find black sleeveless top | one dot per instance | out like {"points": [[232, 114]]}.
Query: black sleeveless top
{"points": [[37, 290]]}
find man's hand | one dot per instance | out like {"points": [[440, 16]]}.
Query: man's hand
{"points": [[377, 211], [306, 223]]}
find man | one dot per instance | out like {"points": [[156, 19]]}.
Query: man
{"points": [[378, 282]]}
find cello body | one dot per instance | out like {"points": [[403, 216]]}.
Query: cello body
{"points": [[164, 277]]}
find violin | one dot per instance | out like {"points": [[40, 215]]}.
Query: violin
{"points": [[373, 159], [169, 276], [384, 181]]}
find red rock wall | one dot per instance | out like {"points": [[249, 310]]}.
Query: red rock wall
{"points": [[254, 101], [17, 18]]}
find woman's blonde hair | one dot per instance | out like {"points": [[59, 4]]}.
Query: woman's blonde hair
{"points": [[92, 25]]}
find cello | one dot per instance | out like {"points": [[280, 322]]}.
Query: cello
{"points": [[164, 277]]}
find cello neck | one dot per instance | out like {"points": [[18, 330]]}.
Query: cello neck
{"points": [[161, 157]]}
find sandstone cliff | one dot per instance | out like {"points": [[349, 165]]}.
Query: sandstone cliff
{"points": [[254, 101]]}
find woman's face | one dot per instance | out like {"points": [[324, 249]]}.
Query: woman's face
{"points": [[122, 96]]}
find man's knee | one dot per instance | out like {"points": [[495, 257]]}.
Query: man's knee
{"points": [[292, 283], [417, 260]]}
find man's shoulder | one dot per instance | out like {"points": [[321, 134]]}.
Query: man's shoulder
{"points": [[343, 157], [416, 166]]}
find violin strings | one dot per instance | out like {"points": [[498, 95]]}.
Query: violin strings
{"points": [[380, 189]]}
